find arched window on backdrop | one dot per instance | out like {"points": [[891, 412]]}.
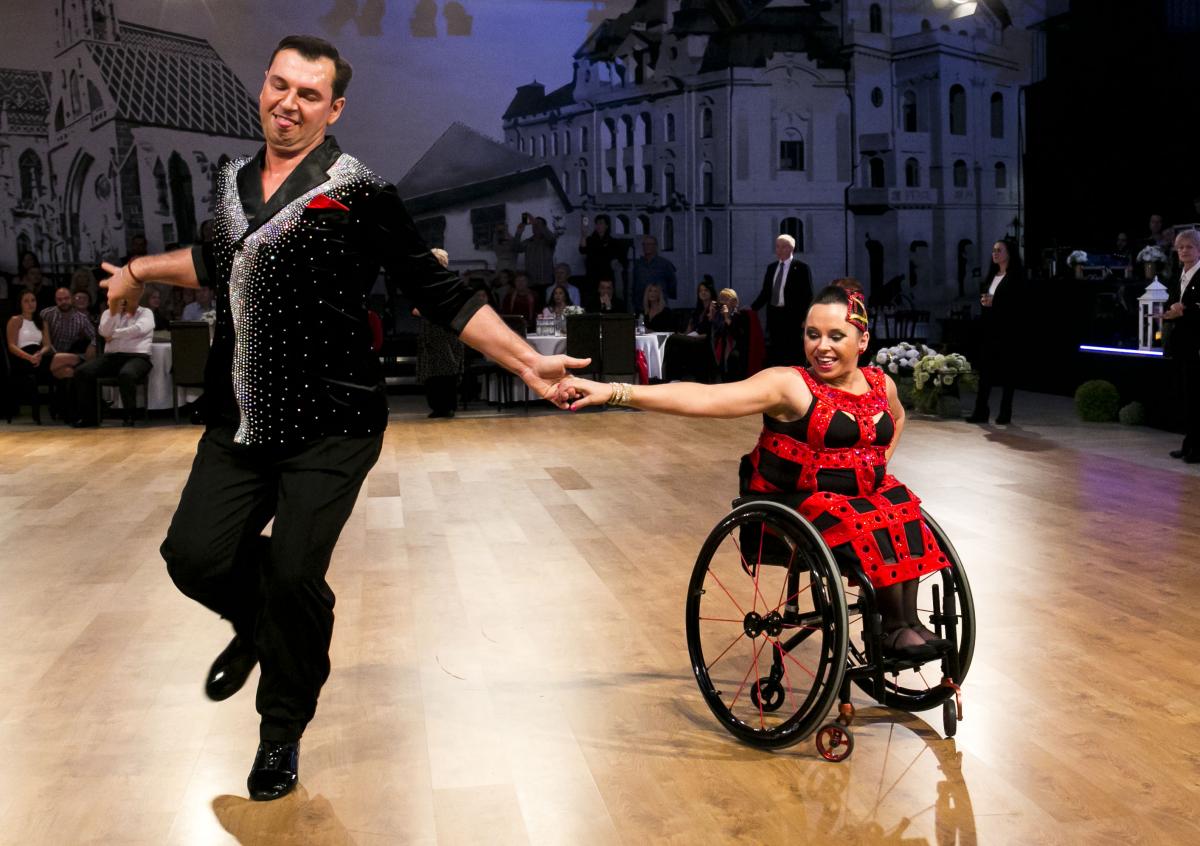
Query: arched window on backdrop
{"points": [[958, 110], [793, 226], [960, 174], [912, 173]]}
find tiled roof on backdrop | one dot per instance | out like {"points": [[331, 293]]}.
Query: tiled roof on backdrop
{"points": [[165, 79], [25, 100]]}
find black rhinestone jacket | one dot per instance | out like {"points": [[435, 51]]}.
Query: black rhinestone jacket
{"points": [[291, 360]]}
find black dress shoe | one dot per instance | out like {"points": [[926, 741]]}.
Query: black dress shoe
{"points": [[231, 669], [1194, 458], [85, 424], [275, 770], [1003, 420], [1176, 453], [977, 418]]}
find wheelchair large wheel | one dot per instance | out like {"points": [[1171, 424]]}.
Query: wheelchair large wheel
{"points": [[919, 688], [766, 625]]}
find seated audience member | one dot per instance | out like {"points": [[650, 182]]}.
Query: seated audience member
{"points": [[126, 355], [35, 281], [71, 333], [30, 351], [562, 276], [560, 298], [503, 283], [736, 338], [152, 300], [521, 301], [607, 301], [84, 280], [700, 320], [657, 317], [481, 287], [202, 305], [82, 301]]}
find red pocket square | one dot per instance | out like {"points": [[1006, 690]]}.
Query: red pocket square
{"points": [[322, 202]]}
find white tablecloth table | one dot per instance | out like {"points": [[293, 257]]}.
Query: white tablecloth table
{"points": [[653, 344]]}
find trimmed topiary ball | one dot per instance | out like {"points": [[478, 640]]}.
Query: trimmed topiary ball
{"points": [[1133, 414], [1097, 401]]}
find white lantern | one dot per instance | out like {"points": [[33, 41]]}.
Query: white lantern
{"points": [[1150, 313]]}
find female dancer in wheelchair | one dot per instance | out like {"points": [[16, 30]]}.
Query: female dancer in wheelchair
{"points": [[828, 433]]}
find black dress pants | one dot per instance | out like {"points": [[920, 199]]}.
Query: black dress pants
{"points": [[987, 381], [1191, 405], [129, 369], [272, 590]]}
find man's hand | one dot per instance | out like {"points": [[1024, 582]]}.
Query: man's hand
{"points": [[575, 393], [544, 375], [123, 291], [1174, 312]]}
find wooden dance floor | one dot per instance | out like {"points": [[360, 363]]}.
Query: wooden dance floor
{"points": [[509, 660]]}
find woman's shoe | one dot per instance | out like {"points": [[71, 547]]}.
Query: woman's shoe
{"points": [[906, 644]]}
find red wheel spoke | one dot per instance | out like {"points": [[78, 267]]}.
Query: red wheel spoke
{"points": [[762, 723], [797, 662], [757, 568], [795, 595], [727, 593], [783, 585], [708, 667], [742, 686], [723, 620]]}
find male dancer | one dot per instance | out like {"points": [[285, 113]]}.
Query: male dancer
{"points": [[295, 407]]}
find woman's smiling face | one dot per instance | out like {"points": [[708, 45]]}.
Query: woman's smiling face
{"points": [[832, 344]]}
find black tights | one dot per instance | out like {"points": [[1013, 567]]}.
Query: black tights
{"points": [[897, 605]]}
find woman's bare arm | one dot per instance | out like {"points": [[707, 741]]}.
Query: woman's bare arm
{"points": [[777, 391]]}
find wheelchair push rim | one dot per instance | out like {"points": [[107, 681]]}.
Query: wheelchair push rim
{"points": [[766, 625], [920, 688]]}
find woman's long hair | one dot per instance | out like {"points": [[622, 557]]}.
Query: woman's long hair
{"points": [[1016, 269], [566, 295], [711, 284], [37, 312]]}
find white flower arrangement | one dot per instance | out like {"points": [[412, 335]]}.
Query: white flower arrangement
{"points": [[572, 309], [939, 374], [1151, 253], [901, 359], [1076, 258]]}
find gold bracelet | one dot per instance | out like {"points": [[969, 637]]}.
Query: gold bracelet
{"points": [[622, 393]]}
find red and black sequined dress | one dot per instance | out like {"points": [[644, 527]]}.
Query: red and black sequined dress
{"points": [[835, 455]]}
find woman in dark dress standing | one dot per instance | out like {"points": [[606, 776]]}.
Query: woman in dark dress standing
{"points": [[1003, 301]]}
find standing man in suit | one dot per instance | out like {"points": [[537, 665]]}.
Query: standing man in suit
{"points": [[787, 294], [1183, 338]]}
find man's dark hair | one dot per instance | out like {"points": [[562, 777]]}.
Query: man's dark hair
{"points": [[313, 48]]}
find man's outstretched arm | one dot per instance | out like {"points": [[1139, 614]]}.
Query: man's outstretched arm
{"points": [[125, 284]]}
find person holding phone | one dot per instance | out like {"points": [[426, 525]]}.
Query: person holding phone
{"points": [[538, 249]]}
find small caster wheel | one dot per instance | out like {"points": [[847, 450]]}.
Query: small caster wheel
{"points": [[766, 693], [834, 742], [949, 718]]}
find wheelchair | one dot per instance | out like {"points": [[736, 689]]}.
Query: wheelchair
{"points": [[774, 636]]}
